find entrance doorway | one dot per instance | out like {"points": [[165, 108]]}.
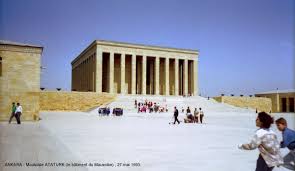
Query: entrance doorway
{"points": [[291, 104], [284, 104]]}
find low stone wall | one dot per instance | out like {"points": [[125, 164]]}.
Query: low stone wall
{"points": [[259, 103], [73, 101], [28, 100]]}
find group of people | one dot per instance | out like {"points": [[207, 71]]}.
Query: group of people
{"points": [[196, 117], [149, 106], [268, 145], [16, 111]]}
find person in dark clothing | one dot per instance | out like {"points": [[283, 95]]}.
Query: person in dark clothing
{"points": [[176, 115], [135, 103], [188, 111], [13, 109], [201, 113]]}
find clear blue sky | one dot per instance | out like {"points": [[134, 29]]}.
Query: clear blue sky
{"points": [[246, 46]]}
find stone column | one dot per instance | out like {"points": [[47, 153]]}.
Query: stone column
{"points": [[157, 79], [143, 75], [185, 68], [133, 72], [176, 77], [167, 76], [111, 79], [195, 79], [98, 79], [123, 89]]}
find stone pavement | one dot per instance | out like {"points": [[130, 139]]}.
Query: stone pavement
{"points": [[30, 142]]}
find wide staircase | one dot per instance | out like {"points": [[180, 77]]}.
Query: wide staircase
{"points": [[127, 103]]}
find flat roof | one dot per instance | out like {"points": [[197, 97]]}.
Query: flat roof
{"points": [[137, 46], [278, 91], [144, 46], [7, 42]]}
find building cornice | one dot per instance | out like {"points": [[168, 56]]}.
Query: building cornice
{"points": [[23, 49], [135, 46]]}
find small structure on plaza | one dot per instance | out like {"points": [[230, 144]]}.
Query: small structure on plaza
{"points": [[125, 68], [282, 100], [20, 78]]}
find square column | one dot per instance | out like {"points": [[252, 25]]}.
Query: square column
{"points": [[123, 89], [98, 72], [167, 76], [278, 104], [185, 68], [133, 74], [143, 75], [176, 77], [195, 78], [111, 88], [157, 75]]}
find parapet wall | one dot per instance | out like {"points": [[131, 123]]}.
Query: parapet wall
{"points": [[72, 101], [259, 103]]}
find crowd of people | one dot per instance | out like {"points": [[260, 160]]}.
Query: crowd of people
{"points": [[147, 106]]}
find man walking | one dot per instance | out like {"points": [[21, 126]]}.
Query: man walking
{"points": [[176, 115], [18, 112], [13, 108]]}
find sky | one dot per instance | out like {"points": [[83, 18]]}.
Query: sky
{"points": [[245, 46]]}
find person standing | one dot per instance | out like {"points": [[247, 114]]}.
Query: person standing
{"points": [[13, 108], [196, 116], [201, 113], [288, 141], [176, 115], [18, 112], [267, 143], [135, 103]]}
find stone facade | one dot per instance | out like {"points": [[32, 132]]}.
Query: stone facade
{"points": [[20, 78], [282, 100], [259, 103], [116, 67], [73, 101]]}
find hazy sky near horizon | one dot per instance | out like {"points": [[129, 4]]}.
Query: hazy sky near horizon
{"points": [[246, 46]]}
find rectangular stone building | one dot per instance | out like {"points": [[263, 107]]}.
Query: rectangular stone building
{"points": [[19, 78], [282, 100], [124, 68]]}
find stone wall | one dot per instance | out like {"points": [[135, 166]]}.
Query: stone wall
{"points": [[276, 98], [72, 101], [28, 100], [20, 80], [259, 103]]}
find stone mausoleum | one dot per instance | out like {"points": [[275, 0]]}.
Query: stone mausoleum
{"points": [[125, 68]]}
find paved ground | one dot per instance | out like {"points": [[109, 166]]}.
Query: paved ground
{"points": [[147, 139], [30, 142]]}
